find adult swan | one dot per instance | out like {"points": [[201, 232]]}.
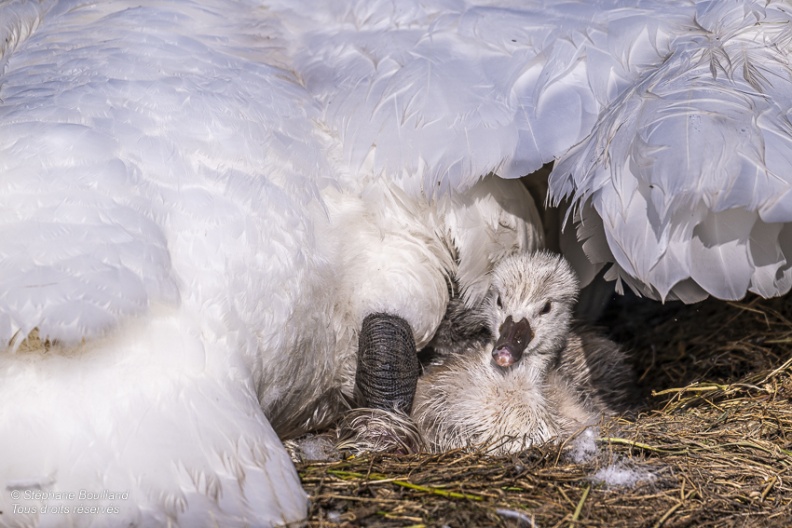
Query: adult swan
{"points": [[187, 264], [205, 207]]}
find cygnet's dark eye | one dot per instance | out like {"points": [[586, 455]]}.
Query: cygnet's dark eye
{"points": [[546, 308], [499, 302]]}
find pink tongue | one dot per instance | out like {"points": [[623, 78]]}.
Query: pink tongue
{"points": [[503, 358]]}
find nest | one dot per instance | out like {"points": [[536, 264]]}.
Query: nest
{"points": [[711, 445]]}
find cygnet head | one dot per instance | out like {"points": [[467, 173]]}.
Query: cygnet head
{"points": [[529, 307]]}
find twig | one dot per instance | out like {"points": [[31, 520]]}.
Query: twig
{"points": [[697, 388], [376, 478], [640, 445], [787, 364], [579, 508], [767, 489], [673, 509]]}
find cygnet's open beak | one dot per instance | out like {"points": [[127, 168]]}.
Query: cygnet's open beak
{"points": [[514, 337]]}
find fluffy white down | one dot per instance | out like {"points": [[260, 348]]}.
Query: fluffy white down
{"points": [[185, 257], [566, 378]]}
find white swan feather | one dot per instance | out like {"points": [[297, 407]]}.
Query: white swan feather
{"points": [[677, 112]]}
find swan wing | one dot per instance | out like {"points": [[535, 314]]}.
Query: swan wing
{"points": [[675, 114], [437, 94], [689, 169]]}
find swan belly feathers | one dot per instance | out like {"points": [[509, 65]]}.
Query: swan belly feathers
{"points": [[156, 165], [126, 427]]}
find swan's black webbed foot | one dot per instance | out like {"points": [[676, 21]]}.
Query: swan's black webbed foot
{"points": [[388, 367]]}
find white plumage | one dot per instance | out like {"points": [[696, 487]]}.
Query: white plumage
{"points": [[688, 168], [668, 121], [186, 258], [152, 231], [182, 187]]}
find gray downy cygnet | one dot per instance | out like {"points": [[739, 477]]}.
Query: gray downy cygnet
{"points": [[533, 379]]}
